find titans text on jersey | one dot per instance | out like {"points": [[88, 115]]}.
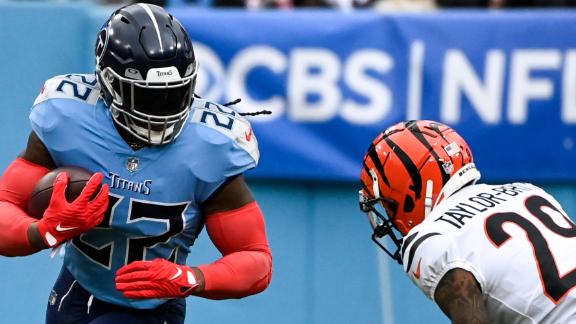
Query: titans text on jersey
{"points": [[116, 181]]}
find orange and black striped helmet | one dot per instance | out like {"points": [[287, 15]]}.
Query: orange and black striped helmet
{"points": [[410, 168]]}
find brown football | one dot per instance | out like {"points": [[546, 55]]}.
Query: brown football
{"points": [[40, 198]]}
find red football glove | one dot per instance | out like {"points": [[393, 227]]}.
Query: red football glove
{"points": [[63, 220], [155, 279]]}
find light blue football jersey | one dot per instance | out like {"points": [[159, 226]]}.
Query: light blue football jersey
{"points": [[155, 192]]}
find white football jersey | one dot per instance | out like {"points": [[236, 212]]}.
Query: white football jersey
{"points": [[517, 242]]}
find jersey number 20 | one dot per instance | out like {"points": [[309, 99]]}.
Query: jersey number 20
{"points": [[555, 287]]}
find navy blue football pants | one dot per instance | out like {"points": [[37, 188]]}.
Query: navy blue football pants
{"points": [[69, 303]]}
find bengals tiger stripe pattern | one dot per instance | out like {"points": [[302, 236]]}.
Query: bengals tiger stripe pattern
{"points": [[413, 160]]}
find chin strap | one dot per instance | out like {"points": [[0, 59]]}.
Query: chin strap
{"points": [[156, 137], [468, 174]]}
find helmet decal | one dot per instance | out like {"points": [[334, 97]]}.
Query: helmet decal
{"points": [[452, 149], [412, 169], [412, 126], [101, 42], [377, 164], [154, 22]]}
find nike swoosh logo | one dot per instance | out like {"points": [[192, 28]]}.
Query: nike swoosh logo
{"points": [[64, 229], [178, 273], [417, 272], [248, 135]]}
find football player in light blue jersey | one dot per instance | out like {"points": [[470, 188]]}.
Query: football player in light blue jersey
{"points": [[170, 163]]}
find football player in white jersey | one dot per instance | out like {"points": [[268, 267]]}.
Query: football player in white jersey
{"points": [[483, 253]]}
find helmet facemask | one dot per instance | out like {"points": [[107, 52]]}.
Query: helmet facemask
{"points": [[380, 212], [151, 111]]}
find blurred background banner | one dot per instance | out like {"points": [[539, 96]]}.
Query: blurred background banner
{"points": [[506, 80], [333, 81]]}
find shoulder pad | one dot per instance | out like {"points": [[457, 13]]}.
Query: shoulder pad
{"points": [[80, 87], [411, 245], [429, 256], [426, 259], [227, 121]]}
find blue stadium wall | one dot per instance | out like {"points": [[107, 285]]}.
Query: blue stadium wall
{"points": [[326, 269]]}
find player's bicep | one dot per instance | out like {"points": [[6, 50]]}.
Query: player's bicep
{"points": [[238, 230], [233, 194], [459, 296], [37, 153], [23, 173]]}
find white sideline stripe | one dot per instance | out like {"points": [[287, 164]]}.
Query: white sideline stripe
{"points": [[149, 12], [69, 290], [385, 291]]}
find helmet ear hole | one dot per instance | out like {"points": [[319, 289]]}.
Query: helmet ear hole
{"points": [[408, 204]]}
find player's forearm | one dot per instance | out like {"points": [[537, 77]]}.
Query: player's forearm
{"points": [[236, 275], [469, 311], [15, 223], [35, 238], [246, 266], [469, 316], [18, 234], [468, 308]]}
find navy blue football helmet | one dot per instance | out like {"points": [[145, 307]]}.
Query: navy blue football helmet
{"points": [[146, 68]]}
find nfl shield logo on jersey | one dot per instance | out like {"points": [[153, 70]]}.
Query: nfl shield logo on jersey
{"points": [[132, 164]]}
